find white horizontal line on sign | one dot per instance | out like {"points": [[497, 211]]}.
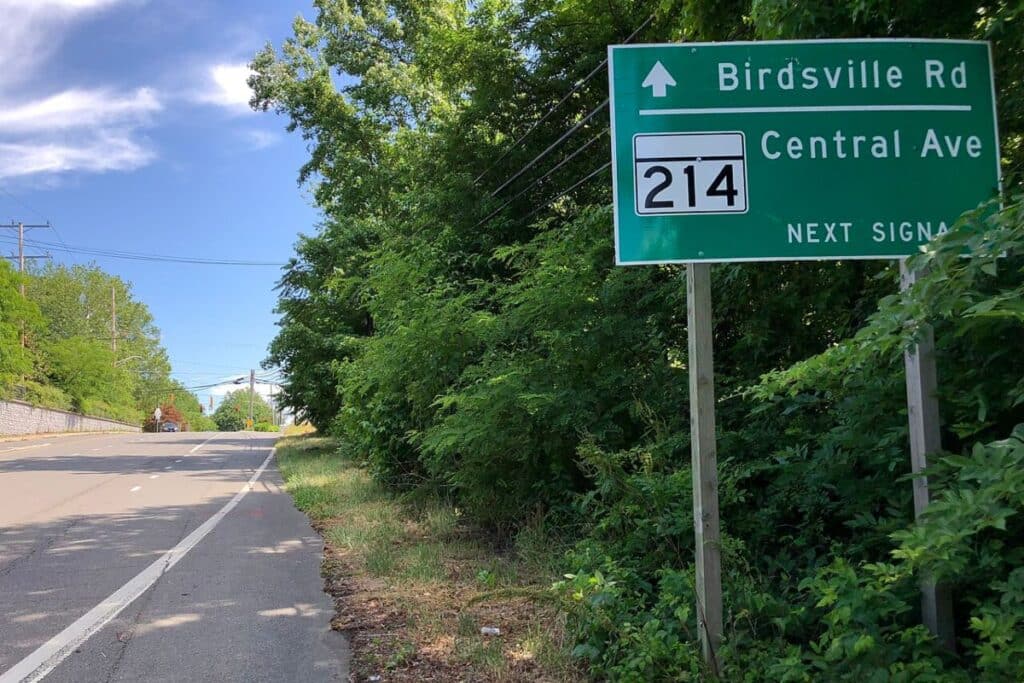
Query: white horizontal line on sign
{"points": [[808, 109]]}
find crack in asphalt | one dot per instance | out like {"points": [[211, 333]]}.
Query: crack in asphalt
{"points": [[43, 546]]}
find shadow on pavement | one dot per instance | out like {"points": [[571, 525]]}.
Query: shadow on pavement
{"points": [[234, 594]]}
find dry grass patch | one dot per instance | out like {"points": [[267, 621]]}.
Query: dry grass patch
{"points": [[414, 587]]}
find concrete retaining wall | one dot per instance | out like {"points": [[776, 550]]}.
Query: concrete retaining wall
{"points": [[24, 418]]}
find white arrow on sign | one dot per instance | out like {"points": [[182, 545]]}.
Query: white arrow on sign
{"points": [[658, 80]]}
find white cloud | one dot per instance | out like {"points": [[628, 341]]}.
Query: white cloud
{"points": [[106, 151], [226, 87], [71, 129], [257, 139], [79, 109], [76, 130], [31, 30], [56, 5]]}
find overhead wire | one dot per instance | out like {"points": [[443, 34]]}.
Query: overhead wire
{"points": [[585, 179], [550, 148], [23, 204], [575, 88], [557, 143], [138, 256], [544, 177], [35, 212]]}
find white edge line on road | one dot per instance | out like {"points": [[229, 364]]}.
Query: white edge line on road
{"points": [[51, 653], [22, 448], [202, 444], [134, 489]]}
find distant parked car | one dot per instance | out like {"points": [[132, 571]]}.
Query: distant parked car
{"points": [[169, 427]]}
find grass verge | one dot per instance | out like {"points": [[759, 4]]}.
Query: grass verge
{"points": [[414, 587]]}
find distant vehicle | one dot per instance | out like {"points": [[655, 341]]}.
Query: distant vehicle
{"points": [[169, 427]]}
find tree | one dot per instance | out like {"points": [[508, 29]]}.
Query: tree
{"points": [[179, 405], [77, 303], [18, 316], [465, 344], [84, 369], [233, 410]]}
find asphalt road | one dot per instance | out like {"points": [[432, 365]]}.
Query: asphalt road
{"points": [[208, 583]]}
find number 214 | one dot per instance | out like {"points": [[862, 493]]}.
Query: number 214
{"points": [[721, 186]]}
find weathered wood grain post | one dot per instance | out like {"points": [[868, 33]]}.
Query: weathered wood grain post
{"points": [[925, 440], [704, 459]]}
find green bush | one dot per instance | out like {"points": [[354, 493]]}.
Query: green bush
{"points": [[475, 341], [265, 427], [44, 395], [233, 411], [97, 408], [201, 423]]}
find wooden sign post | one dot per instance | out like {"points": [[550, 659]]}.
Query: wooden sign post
{"points": [[925, 440], [721, 152], [704, 459]]}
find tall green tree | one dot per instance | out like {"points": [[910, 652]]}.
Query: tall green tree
{"points": [[18, 317], [79, 304], [84, 369], [465, 332], [233, 410]]}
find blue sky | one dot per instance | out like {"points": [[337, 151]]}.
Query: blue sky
{"points": [[124, 123]]}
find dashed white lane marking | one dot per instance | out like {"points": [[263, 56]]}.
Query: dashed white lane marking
{"points": [[154, 476], [134, 489], [55, 650], [196, 448], [178, 460], [168, 467], [24, 448]]}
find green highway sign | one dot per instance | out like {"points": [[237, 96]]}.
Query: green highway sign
{"points": [[826, 149]]}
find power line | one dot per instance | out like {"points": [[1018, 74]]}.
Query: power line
{"points": [[544, 177], [23, 204], [32, 210], [566, 135], [60, 237], [21, 226], [589, 176], [542, 119], [138, 256], [579, 84]]}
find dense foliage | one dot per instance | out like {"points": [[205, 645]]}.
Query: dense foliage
{"points": [[182, 408], [68, 359], [472, 339], [233, 411]]}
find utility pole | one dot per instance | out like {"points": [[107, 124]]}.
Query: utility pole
{"points": [[113, 321], [273, 406], [21, 227], [21, 260], [252, 390]]}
